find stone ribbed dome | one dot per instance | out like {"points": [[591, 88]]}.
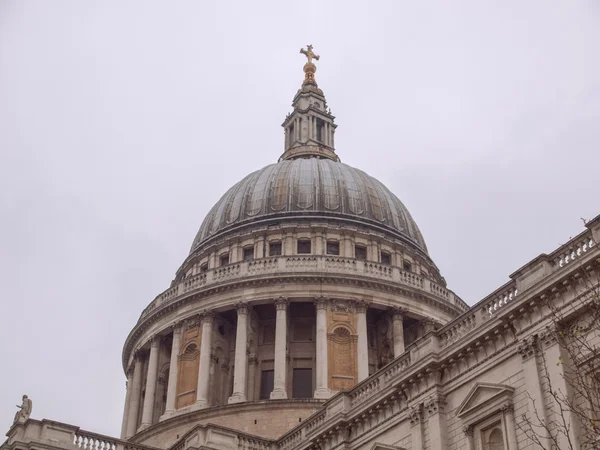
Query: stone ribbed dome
{"points": [[310, 187]]}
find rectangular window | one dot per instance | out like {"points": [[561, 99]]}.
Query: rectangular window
{"points": [[360, 252], [304, 247], [386, 258], [407, 266], [291, 137], [267, 378], [333, 248], [302, 383], [204, 267], [320, 126], [224, 258], [275, 248], [248, 253]]}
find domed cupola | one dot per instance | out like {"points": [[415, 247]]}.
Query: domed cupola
{"points": [[305, 278]]}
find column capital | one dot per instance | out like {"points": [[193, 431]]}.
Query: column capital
{"points": [[281, 303], [415, 415], [242, 308], [469, 430], [361, 306], [207, 316], [507, 407], [435, 403], [176, 327], [398, 312], [548, 336], [321, 302], [527, 347], [252, 359]]}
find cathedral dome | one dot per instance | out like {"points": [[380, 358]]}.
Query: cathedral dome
{"points": [[314, 188]]}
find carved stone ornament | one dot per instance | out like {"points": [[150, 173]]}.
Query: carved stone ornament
{"points": [[435, 404], [469, 430], [527, 347], [346, 306], [191, 322], [507, 407], [415, 415], [548, 336], [321, 302]]}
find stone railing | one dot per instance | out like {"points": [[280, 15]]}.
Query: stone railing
{"points": [[574, 250], [501, 298], [281, 265], [456, 329], [43, 433]]}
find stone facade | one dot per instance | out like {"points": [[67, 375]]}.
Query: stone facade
{"points": [[324, 330]]}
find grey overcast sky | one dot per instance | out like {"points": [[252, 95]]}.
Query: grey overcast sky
{"points": [[123, 122]]}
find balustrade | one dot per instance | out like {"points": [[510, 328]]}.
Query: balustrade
{"points": [[574, 250], [301, 264]]}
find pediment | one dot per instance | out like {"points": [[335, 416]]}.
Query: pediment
{"points": [[481, 395], [380, 446]]}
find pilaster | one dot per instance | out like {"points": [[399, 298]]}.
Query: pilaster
{"points": [[280, 365]]}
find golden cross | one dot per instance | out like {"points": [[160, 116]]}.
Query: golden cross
{"points": [[309, 54]]}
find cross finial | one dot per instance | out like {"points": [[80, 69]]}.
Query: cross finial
{"points": [[309, 53]]}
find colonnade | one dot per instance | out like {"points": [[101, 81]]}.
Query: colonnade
{"points": [[240, 385]]}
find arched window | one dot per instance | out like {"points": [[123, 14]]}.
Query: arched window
{"points": [[495, 440]]}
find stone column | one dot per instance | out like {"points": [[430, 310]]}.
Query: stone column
{"points": [[204, 369], [224, 381], [241, 355], [148, 408], [128, 387], [528, 349], [398, 330], [322, 390], [252, 364], [173, 372], [415, 415], [438, 436], [509, 421], [136, 392], [363, 345], [280, 366]]}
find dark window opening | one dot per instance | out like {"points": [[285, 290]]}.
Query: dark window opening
{"points": [[360, 252], [303, 247], [407, 266], [386, 258], [248, 253], [266, 383], [333, 248], [204, 267], [302, 383], [320, 129], [274, 248], [224, 259], [291, 135]]}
